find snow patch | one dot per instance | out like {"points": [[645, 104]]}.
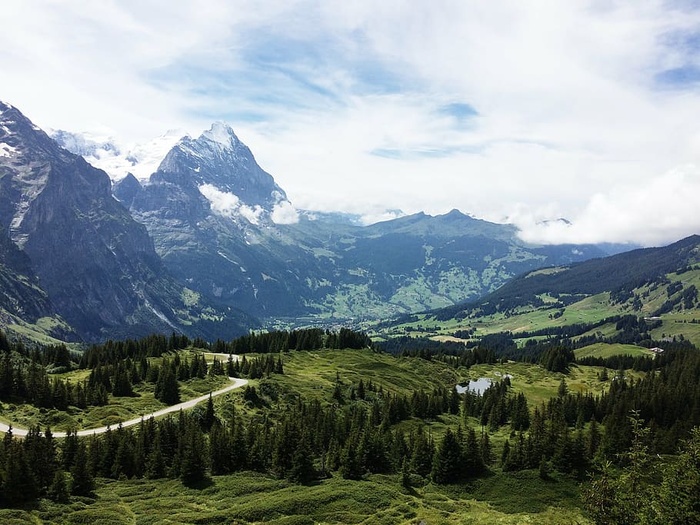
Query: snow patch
{"points": [[159, 314], [118, 160], [6, 150], [222, 254], [31, 184], [221, 133]]}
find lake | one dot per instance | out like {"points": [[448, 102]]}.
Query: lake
{"points": [[477, 386]]}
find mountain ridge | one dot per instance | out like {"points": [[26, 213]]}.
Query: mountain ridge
{"points": [[96, 264], [204, 227], [619, 273]]}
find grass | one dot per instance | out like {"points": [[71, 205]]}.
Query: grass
{"points": [[247, 498], [38, 332], [608, 350], [677, 324], [117, 410], [251, 498], [312, 375], [537, 383]]}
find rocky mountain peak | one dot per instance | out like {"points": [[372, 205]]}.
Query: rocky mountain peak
{"points": [[97, 265], [221, 134], [222, 169], [18, 136]]}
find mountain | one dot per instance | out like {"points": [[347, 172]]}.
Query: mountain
{"points": [[23, 304], [225, 228], [209, 209], [620, 275], [97, 266], [214, 216], [117, 159]]}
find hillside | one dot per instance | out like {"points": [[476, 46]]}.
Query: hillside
{"points": [[325, 433], [576, 300], [208, 245], [260, 491], [209, 205]]}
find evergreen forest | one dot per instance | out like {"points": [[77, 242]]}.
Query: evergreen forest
{"points": [[628, 452]]}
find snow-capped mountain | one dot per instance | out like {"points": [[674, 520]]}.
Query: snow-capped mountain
{"points": [[118, 160], [210, 205], [96, 264], [225, 230], [225, 173]]}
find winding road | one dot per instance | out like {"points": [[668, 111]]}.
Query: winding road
{"points": [[237, 383]]}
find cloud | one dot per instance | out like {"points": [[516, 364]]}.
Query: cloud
{"points": [[502, 109], [221, 202], [284, 213], [650, 214], [229, 205]]}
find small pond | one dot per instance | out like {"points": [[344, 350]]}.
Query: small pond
{"points": [[478, 386]]}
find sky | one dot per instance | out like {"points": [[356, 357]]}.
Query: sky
{"points": [[510, 111]]}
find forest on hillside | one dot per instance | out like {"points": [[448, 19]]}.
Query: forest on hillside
{"points": [[357, 429]]}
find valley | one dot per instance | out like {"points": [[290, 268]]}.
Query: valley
{"points": [[122, 298]]}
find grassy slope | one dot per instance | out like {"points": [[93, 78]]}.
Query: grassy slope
{"points": [[313, 374], [591, 309], [254, 498], [608, 350], [118, 409]]}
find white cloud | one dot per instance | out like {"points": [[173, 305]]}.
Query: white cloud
{"points": [[386, 215], [284, 213], [229, 205], [343, 102], [221, 202], [650, 213], [251, 214]]}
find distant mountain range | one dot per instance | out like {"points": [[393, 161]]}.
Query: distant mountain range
{"points": [[209, 244]]}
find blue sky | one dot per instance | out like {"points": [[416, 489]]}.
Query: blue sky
{"points": [[510, 111]]}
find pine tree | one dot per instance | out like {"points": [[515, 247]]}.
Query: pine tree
{"points": [[563, 388], [58, 491], [405, 474], [19, 483], [192, 454], [472, 460], [155, 464], [209, 417], [302, 469], [122, 384], [82, 483], [422, 454], [505, 454], [68, 449], [361, 390], [679, 494], [351, 464], [485, 449], [167, 389], [447, 460]]}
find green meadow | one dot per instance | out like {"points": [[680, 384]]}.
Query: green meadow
{"points": [[250, 498], [253, 498]]}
